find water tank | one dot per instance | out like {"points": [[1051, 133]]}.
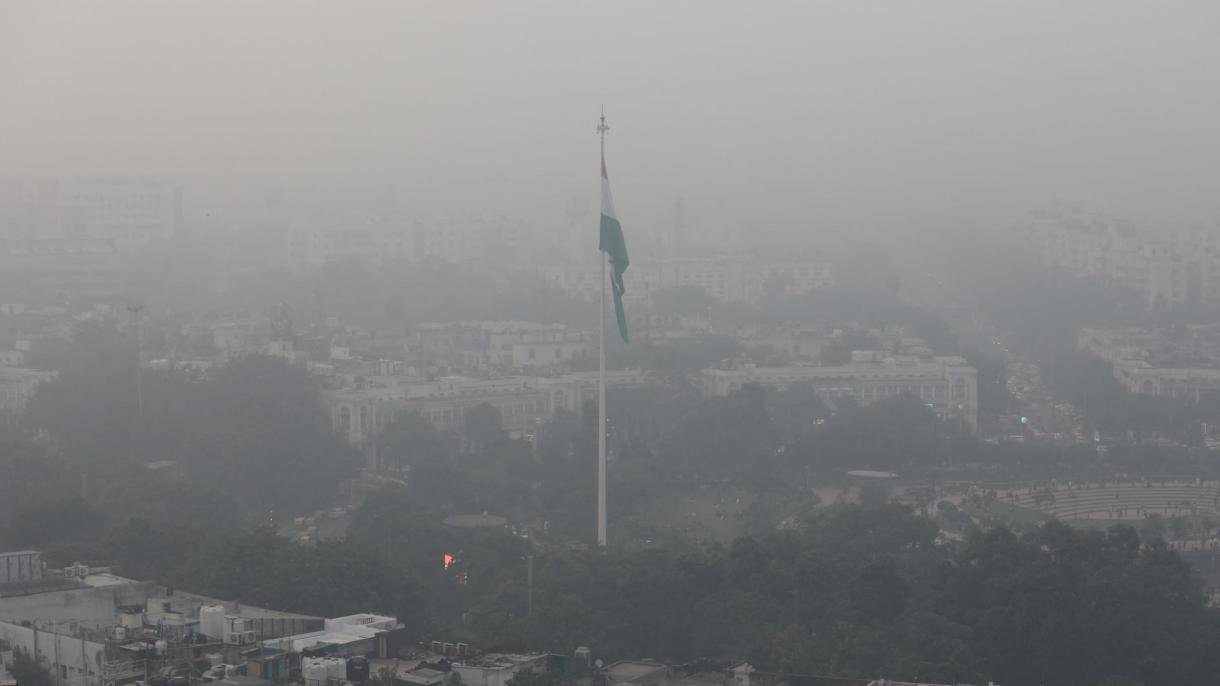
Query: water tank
{"points": [[358, 669], [313, 670], [336, 669], [161, 646], [132, 620], [212, 622]]}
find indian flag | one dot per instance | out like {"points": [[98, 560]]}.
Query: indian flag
{"points": [[613, 244]]}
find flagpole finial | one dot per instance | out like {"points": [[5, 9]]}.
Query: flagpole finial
{"points": [[602, 129]]}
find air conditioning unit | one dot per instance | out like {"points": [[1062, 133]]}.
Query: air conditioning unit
{"points": [[239, 638], [70, 571]]}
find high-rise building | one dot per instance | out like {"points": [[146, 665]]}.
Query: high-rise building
{"points": [[1174, 270], [126, 213]]}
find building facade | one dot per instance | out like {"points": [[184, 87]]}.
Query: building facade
{"points": [[18, 385], [1178, 364], [359, 414], [1166, 268], [948, 385], [739, 279]]}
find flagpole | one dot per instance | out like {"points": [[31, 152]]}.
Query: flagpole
{"points": [[601, 376]]}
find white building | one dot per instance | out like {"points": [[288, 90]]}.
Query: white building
{"points": [[363, 240], [374, 240], [73, 659], [122, 213], [948, 385], [1152, 362], [496, 669], [61, 267], [18, 385], [128, 213], [354, 634], [729, 278], [76, 624], [359, 414], [1168, 269], [19, 566], [507, 346]]}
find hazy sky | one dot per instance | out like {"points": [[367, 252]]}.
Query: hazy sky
{"points": [[798, 115]]}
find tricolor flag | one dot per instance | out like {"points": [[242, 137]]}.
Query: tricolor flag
{"points": [[612, 243]]}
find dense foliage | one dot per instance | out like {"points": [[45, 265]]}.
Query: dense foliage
{"points": [[856, 591], [863, 590], [254, 432]]}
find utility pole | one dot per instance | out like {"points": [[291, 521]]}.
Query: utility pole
{"points": [[529, 582]]}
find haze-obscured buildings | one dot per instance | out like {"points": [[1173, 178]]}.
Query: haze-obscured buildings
{"points": [[508, 346], [18, 386], [1179, 363], [392, 237], [121, 213], [1169, 269], [948, 385], [734, 279], [93, 628], [360, 413]]}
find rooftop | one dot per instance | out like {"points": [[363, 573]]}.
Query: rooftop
{"points": [[501, 660], [628, 671], [104, 579], [339, 631], [423, 676], [903, 368]]}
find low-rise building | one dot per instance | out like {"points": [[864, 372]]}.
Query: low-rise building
{"points": [[20, 566], [636, 673], [730, 278], [95, 629], [496, 669], [1183, 363], [506, 346], [359, 414], [354, 634], [948, 385], [18, 385]]}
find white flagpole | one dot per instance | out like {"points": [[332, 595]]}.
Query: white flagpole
{"points": [[601, 417], [601, 378]]}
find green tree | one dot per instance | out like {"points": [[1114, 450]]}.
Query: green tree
{"points": [[879, 592], [261, 423], [29, 672], [410, 440], [483, 424]]}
